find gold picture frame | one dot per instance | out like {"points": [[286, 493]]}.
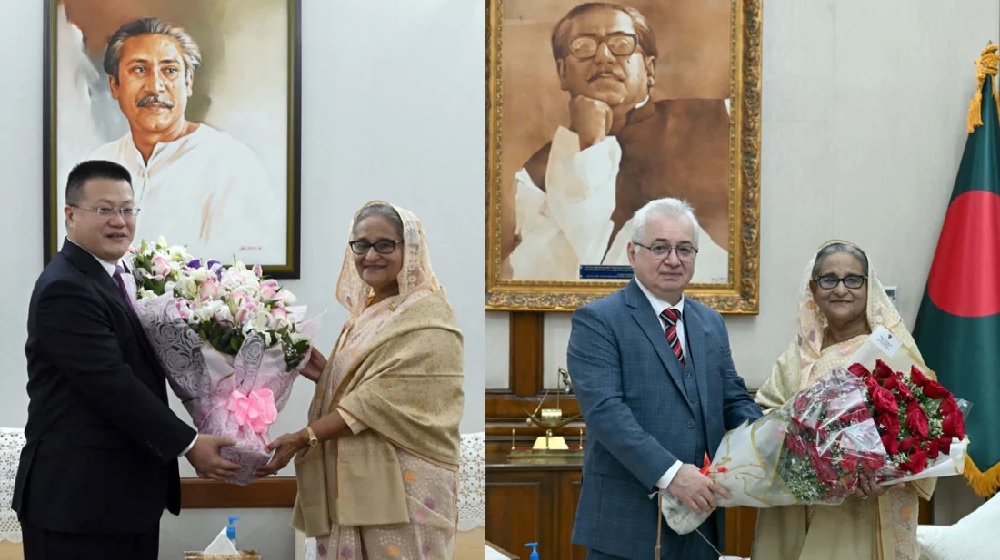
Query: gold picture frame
{"points": [[738, 294]]}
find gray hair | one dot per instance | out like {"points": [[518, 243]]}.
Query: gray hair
{"points": [[644, 33], [383, 210], [670, 207], [151, 26], [840, 247]]}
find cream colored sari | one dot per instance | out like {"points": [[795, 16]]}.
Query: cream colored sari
{"points": [[389, 489], [882, 528]]}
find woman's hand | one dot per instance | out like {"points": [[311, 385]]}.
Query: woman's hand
{"points": [[315, 366], [868, 487], [285, 447]]}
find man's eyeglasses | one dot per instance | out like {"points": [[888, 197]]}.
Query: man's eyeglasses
{"points": [[382, 246], [620, 44], [851, 281], [662, 250], [106, 212]]}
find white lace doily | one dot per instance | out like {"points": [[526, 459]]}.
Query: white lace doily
{"points": [[471, 488], [11, 443], [472, 482]]}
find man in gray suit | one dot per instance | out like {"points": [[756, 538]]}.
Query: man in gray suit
{"points": [[656, 383]]}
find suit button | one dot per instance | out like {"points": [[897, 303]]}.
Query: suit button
{"points": [[690, 423], [687, 376]]}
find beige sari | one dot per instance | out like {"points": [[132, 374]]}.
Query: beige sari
{"points": [[882, 528], [388, 490]]}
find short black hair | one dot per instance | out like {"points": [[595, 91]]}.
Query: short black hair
{"points": [[92, 169], [644, 33]]}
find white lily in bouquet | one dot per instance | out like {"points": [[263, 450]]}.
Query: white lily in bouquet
{"points": [[880, 417], [231, 343]]}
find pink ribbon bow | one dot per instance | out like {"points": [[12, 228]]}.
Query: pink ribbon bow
{"points": [[255, 410]]}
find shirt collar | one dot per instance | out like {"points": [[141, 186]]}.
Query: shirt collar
{"points": [[107, 266], [658, 304]]}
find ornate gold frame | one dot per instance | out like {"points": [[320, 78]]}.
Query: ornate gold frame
{"points": [[740, 294]]}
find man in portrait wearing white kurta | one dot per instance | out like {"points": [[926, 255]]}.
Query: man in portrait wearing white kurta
{"points": [[196, 185], [574, 198]]}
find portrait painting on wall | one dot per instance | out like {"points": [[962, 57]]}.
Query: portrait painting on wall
{"points": [[595, 109], [199, 100]]}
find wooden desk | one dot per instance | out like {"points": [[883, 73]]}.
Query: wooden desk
{"points": [[501, 551]]}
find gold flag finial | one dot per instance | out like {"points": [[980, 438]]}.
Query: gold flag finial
{"points": [[986, 65]]}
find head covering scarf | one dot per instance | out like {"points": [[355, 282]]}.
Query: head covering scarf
{"points": [[805, 362]]}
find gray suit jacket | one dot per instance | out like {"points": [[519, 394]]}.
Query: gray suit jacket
{"points": [[639, 420]]}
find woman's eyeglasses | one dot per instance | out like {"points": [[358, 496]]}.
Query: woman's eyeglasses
{"points": [[851, 281], [382, 246]]}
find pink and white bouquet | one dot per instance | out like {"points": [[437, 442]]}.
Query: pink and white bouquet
{"points": [[864, 420], [231, 343]]}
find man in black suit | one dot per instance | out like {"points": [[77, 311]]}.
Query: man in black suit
{"points": [[100, 462]]}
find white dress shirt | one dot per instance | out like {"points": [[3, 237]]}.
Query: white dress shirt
{"points": [[208, 191], [109, 267], [569, 223], [658, 306]]}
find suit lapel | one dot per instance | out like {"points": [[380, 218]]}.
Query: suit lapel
{"points": [[695, 333], [87, 264], [644, 316]]}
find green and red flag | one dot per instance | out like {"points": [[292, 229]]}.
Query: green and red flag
{"points": [[958, 325]]}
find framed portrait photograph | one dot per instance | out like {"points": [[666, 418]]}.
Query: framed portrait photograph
{"points": [[594, 110], [200, 101]]}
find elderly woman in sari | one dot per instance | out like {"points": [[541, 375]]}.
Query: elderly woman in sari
{"points": [[377, 464], [841, 302]]}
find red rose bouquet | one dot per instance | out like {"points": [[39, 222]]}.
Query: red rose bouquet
{"points": [[816, 447]]}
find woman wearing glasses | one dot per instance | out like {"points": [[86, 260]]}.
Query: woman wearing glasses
{"points": [[377, 464], [839, 305]]}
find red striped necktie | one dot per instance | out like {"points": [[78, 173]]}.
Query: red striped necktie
{"points": [[670, 317]]}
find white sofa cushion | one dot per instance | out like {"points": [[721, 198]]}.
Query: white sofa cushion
{"points": [[974, 537]]}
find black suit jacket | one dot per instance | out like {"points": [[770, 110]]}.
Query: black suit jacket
{"points": [[102, 444]]}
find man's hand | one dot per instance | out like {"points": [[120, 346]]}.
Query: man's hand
{"points": [[695, 490], [205, 458], [590, 119], [868, 487], [315, 366]]}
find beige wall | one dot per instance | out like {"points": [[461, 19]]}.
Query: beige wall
{"points": [[864, 108]]}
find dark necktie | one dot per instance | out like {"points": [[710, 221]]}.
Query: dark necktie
{"points": [[121, 287], [670, 317]]}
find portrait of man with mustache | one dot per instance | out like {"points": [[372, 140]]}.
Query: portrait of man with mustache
{"points": [[572, 201], [196, 185]]}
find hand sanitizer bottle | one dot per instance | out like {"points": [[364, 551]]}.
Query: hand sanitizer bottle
{"points": [[231, 531], [534, 550]]}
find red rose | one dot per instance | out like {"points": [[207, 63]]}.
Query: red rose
{"points": [[796, 445], [871, 384], [904, 392], [909, 444], [855, 415], [871, 462], [890, 382], [883, 371], [915, 463], [859, 370], [933, 449], [889, 423], [801, 403], [824, 468], [883, 401], [890, 443], [849, 462], [945, 444], [918, 377], [954, 425], [916, 420], [934, 390], [948, 405]]}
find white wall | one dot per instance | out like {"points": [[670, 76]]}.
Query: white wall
{"points": [[392, 109], [864, 107]]}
